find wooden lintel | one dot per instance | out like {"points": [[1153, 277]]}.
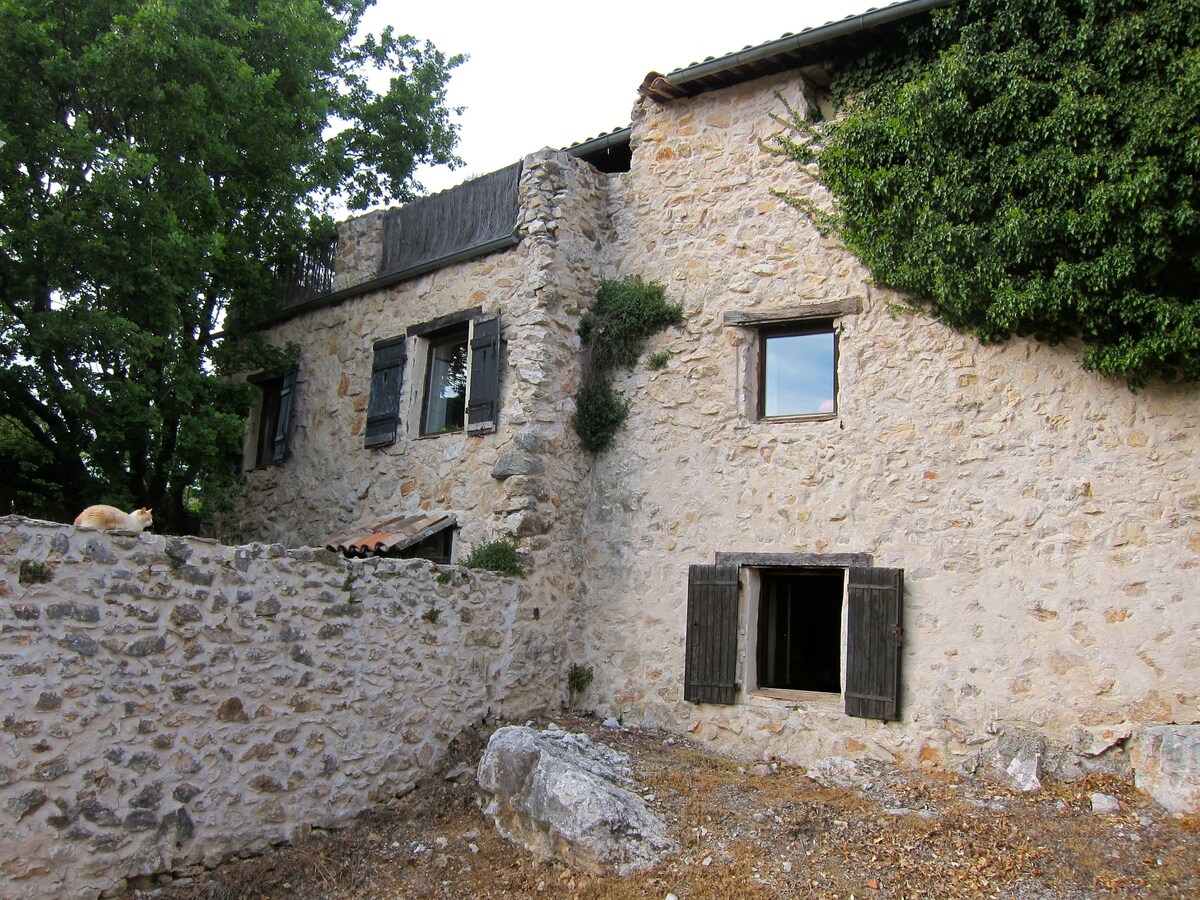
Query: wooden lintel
{"points": [[827, 309]]}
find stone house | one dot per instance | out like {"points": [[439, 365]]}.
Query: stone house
{"points": [[830, 525]]}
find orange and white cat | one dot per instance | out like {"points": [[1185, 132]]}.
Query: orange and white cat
{"points": [[109, 518]]}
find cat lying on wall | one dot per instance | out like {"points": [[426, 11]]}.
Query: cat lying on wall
{"points": [[109, 518]]}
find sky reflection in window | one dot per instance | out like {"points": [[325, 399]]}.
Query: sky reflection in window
{"points": [[799, 374]]}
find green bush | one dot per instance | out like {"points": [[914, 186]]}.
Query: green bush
{"points": [[624, 315], [659, 360], [599, 413], [497, 556], [1029, 167]]}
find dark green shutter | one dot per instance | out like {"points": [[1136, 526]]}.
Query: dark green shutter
{"points": [[484, 397], [383, 409], [283, 423], [710, 664], [874, 636]]}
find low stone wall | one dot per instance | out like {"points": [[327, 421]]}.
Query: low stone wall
{"points": [[170, 700]]}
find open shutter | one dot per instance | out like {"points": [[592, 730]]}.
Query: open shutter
{"points": [[383, 409], [874, 635], [283, 424], [710, 666], [484, 397]]}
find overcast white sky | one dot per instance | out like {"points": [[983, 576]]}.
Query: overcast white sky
{"points": [[552, 74]]}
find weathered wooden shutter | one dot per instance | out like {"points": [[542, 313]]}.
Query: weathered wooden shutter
{"points": [[874, 635], [283, 423], [383, 408], [484, 398], [710, 664]]}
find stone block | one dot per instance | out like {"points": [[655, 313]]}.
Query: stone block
{"points": [[1166, 763]]}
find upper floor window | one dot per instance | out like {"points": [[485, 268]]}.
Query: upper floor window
{"points": [[274, 417], [789, 359], [445, 404], [798, 371]]}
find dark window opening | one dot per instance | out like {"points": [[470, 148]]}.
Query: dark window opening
{"points": [[800, 631], [435, 548], [445, 401]]}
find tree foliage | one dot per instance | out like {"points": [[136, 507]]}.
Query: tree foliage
{"points": [[1031, 167], [158, 159]]}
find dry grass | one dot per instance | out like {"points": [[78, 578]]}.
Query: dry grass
{"points": [[902, 835]]}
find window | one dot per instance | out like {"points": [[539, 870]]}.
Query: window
{"points": [[802, 620], [798, 643], [459, 376], [446, 384], [798, 372], [790, 359], [274, 417]]}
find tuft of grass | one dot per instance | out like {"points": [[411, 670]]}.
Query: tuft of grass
{"points": [[578, 678], [658, 360], [497, 556], [431, 615]]}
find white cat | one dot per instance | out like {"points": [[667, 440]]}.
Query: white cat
{"points": [[109, 518]]}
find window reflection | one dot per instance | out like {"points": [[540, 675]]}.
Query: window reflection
{"points": [[446, 387], [798, 374]]}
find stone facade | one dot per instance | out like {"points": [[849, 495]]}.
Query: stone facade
{"points": [[171, 700], [1047, 520]]}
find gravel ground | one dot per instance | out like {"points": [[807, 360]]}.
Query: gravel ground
{"points": [[875, 832]]}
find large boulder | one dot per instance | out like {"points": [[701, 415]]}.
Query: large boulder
{"points": [[562, 796], [1166, 760]]}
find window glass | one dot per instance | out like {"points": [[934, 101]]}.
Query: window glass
{"points": [[446, 384], [798, 374], [268, 421]]}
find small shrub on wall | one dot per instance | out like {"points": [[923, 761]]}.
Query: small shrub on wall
{"points": [[624, 315]]}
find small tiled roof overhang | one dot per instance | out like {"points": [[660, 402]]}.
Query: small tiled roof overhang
{"points": [[389, 535]]}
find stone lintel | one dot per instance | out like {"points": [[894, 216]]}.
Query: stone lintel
{"points": [[847, 306], [830, 560]]}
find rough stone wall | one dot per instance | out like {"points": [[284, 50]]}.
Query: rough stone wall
{"points": [[1046, 519], [523, 479], [169, 700]]}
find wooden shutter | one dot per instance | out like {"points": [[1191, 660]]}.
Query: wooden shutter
{"points": [[383, 409], [710, 665], [874, 635], [283, 423], [483, 398]]}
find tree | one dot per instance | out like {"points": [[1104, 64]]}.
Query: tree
{"points": [[160, 159], [1031, 167]]}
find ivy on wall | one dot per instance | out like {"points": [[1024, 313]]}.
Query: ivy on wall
{"points": [[1029, 167], [624, 315]]}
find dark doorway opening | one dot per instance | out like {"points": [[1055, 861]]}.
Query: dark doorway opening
{"points": [[800, 630]]}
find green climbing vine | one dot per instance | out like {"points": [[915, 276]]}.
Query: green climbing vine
{"points": [[624, 315], [1029, 167]]}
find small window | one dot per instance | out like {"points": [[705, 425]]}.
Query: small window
{"points": [[446, 383], [460, 378], [798, 372], [274, 417]]}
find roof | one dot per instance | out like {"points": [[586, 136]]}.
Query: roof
{"points": [[389, 535], [791, 51]]}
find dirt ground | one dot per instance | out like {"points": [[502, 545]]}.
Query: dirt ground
{"points": [[747, 832]]}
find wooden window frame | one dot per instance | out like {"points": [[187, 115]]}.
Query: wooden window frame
{"points": [[796, 329], [871, 632], [482, 398]]}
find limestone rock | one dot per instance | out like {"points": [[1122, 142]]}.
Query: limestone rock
{"points": [[1166, 761], [1015, 759], [560, 795]]}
